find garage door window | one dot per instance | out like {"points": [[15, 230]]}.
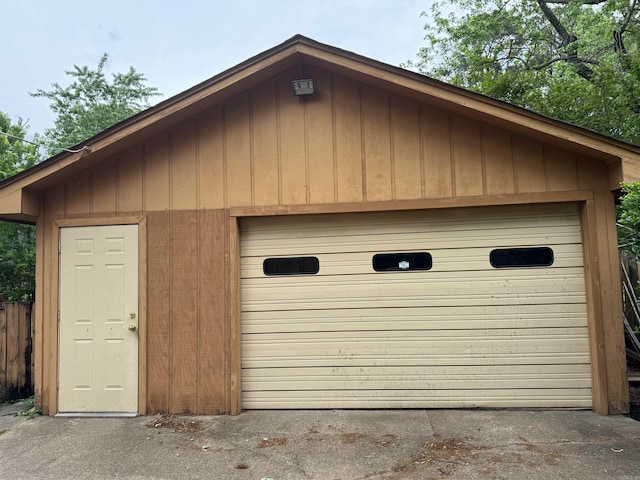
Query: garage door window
{"points": [[291, 266], [521, 257], [402, 262]]}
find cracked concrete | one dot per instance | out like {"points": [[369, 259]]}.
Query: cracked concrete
{"points": [[328, 445]]}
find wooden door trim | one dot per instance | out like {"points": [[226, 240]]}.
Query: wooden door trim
{"points": [[418, 204], [53, 353]]}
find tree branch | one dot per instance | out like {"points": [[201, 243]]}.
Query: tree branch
{"points": [[567, 39], [628, 18], [584, 2]]}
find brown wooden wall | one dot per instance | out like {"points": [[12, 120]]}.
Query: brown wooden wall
{"points": [[347, 143]]}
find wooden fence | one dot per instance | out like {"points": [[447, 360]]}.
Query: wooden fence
{"points": [[16, 361]]}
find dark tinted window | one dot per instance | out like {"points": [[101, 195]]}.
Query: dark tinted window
{"points": [[521, 257], [402, 262], [291, 266]]}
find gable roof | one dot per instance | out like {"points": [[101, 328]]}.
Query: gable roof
{"points": [[18, 194]]}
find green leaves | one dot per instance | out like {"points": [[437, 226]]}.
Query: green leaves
{"points": [[576, 61], [628, 218], [17, 261], [15, 155], [92, 103]]}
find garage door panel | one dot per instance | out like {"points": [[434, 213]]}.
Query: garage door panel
{"points": [[444, 260], [449, 317], [361, 291], [504, 398], [461, 334], [421, 360], [474, 335], [410, 241], [533, 300], [447, 220], [381, 382], [431, 373], [507, 278], [395, 347]]}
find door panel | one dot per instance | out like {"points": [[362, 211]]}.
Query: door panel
{"points": [[98, 312]]}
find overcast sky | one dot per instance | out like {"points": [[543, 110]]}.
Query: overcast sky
{"points": [[179, 43]]}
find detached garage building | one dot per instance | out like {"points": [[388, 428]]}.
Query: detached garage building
{"points": [[371, 239]]}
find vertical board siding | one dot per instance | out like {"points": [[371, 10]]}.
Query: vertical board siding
{"points": [[377, 154], [293, 174], [211, 168], [320, 141], [105, 180], [348, 138], [183, 324], [130, 181], [238, 152], [186, 312], [529, 164], [157, 174], [498, 161], [79, 199], [346, 143], [183, 167], [436, 148], [212, 312], [158, 311], [406, 156], [560, 170], [264, 134], [467, 158]]}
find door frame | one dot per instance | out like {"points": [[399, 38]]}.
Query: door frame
{"points": [[141, 222]]}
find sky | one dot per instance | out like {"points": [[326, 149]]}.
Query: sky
{"points": [[177, 44]]}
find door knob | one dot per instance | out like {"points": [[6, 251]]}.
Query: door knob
{"points": [[133, 327]]}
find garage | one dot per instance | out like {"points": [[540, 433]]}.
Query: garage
{"points": [[475, 307], [383, 241]]}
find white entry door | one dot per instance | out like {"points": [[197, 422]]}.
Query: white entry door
{"points": [[98, 369]]}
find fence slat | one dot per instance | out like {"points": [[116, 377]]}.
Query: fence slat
{"points": [[3, 352], [15, 351], [13, 356]]}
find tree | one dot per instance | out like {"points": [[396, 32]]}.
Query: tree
{"points": [[628, 218], [91, 103], [15, 155], [575, 60], [17, 241]]}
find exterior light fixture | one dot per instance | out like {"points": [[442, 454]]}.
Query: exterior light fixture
{"points": [[302, 87]]}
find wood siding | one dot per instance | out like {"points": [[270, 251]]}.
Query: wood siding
{"points": [[347, 143]]}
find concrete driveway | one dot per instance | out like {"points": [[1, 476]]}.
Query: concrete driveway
{"points": [[326, 445]]}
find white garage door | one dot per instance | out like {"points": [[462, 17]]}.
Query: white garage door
{"points": [[429, 309]]}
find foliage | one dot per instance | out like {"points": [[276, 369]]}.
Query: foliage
{"points": [[91, 103], [575, 60], [17, 242], [17, 261], [29, 408], [628, 214], [15, 155]]}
